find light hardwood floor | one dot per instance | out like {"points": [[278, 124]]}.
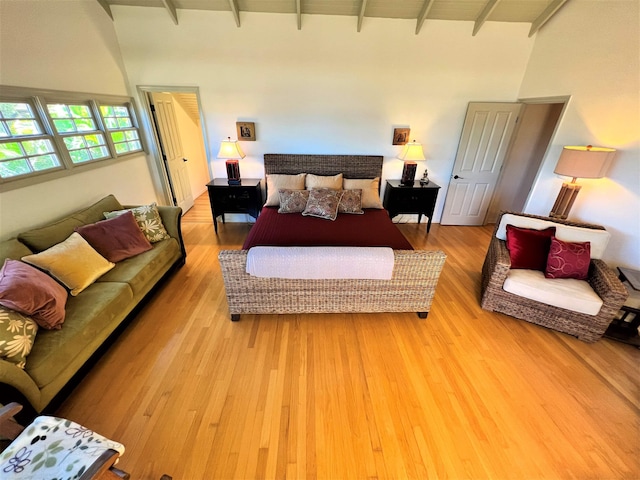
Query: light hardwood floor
{"points": [[463, 394]]}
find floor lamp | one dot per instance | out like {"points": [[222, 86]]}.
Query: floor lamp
{"points": [[578, 162]]}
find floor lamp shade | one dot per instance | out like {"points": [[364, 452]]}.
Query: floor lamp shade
{"points": [[411, 153], [578, 162], [233, 153]]}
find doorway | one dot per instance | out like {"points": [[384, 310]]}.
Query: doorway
{"points": [[486, 180], [179, 142]]}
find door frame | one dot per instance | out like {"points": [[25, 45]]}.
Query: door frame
{"points": [[159, 170]]}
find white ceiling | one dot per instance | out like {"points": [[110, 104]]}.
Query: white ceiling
{"points": [[535, 12]]}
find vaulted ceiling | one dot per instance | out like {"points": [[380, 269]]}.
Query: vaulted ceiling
{"points": [[535, 12]]}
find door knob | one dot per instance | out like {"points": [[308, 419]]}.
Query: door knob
{"points": [[457, 177], [185, 160]]}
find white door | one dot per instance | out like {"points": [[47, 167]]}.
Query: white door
{"points": [[484, 142], [171, 147]]}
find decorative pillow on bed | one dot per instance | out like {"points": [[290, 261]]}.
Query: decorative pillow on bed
{"points": [[323, 203], [323, 181], [351, 202], [276, 181], [369, 187], [293, 201]]}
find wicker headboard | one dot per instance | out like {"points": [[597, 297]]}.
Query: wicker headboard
{"points": [[351, 166]]}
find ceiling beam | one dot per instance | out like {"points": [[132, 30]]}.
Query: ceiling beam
{"points": [[486, 11], [548, 12], [424, 11], [107, 8], [299, 13], [171, 8], [363, 7], [236, 13]]}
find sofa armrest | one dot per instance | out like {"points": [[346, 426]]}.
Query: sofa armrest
{"points": [[172, 218], [496, 264], [14, 378], [608, 286]]}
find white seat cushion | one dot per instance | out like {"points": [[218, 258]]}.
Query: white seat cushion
{"points": [[568, 293]]}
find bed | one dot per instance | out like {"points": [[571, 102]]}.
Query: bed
{"points": [[410, 288]]}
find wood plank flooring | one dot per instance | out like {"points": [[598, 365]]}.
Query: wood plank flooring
{"points": [[463, 394]]}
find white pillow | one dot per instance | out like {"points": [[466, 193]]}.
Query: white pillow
{"points": [[369, 187], [324, 181], [276, 181]]}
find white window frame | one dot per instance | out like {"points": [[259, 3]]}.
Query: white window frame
{"points": [[39, 99]]}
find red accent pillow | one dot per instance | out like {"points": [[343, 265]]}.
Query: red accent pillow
{"points": [[29, 291], [117, 238], [529, 248], [568, 260]]}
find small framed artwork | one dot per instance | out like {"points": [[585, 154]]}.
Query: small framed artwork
{"points": [[401, 136], [246, 131]]}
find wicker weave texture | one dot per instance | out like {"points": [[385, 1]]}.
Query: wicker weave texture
{"points": [[351, 166], [411, 289], [589, 328]]}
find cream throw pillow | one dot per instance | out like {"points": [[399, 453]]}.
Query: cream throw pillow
{"points": [[73, 262], [324, 181], [369, 187], [275, 182]]}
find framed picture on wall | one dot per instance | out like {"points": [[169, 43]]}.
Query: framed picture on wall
{"points": [[246, 131], [401, 136]]}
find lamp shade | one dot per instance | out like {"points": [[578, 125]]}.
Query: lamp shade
{"points": [[230, 149], [584, 162], [412, 152]]}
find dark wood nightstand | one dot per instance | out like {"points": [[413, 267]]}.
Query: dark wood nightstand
{"points": [[244, 198], [417, 199]]}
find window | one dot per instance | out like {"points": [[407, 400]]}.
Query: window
{"points": [[125, 137], [77, 127], [24, 148], [45, 134]]}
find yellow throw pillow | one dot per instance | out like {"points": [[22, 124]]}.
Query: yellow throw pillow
{"points": [[73, 262]]}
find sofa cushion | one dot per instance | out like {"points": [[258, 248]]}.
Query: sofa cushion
{"points": [[39, 239], [13, 249], [568, 233], [29, 291], [17, 333], [74, 262], [568, 260], [117, 238], [529, 248], [143, 271], [91, 317], [568, 293]]}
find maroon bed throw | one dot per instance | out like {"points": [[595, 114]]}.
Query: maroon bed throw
{"points": [[373, 229]]}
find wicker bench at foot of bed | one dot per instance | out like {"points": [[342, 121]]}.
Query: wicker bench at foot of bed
{"points": [[411, 289]]}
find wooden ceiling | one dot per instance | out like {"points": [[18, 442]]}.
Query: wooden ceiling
{"points": [[535, 12]]}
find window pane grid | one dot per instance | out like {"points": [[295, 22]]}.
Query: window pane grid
{"points": [[84, 148], [124, 135], [17, 119], [22, 157], [71, 118]]}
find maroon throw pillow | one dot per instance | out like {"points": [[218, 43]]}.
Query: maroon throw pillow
{"points": [[27, 290], [529, 248], [117, 238], [568, 260]]}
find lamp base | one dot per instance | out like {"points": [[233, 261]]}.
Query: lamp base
{"points": [[233, 172], [564, 202], [408, 173]]}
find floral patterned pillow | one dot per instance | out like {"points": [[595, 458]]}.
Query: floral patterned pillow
{"points": [[323, 203], [351, 202], [17, 333], [293, 201], [148, 219]]}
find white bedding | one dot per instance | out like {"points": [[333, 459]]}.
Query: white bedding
{"points": [[321, 262]]}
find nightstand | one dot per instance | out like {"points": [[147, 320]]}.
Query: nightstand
{"points": [[417, 199], [244, 198]]}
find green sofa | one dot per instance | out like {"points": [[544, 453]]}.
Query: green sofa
{"points": [[93, 315]]}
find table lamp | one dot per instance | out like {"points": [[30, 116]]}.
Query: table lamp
{"points": [[578, 162], [411, 153], [233, 153]]}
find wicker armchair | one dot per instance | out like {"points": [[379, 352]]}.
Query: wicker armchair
{"points": [[588, 328]]}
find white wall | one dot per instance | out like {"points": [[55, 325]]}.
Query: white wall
{"points": [[591, 51], [326, 88], [68, 45]]}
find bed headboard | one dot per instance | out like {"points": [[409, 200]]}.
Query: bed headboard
{"points": [[351, 166]]}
